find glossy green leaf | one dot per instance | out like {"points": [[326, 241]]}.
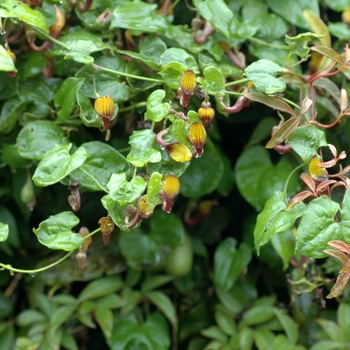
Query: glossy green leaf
{"points": [[65, 98], [329, 86], [247, 181], [337, 5], [332, 329], [115, 210], [29, 317], [284, 245], [318, 26], [225, 321], [100, 287], [56, 232], [80, 51], [246, 338], [289, 325], [156, 110], [218, 14], [175, 54], [154, 187], [104, 318], [214, 332], [110, 301], [258, 314], [143, 148], [345, 216], [270, 101], [6, 63], [166, 229], [102, 161], [38, 137], [86, 111], [293, 13], [283, 132], [4, 232], [123, 191], [299, 44], [11, 111], [344, 317], [61, 315], [146, 252], [263, 74], [171, 73], [68, 341], [329, 53], [328, 345], [7, 87], [275, 219], [57, 164], [213, 82], [201, 177], [24, 13], [229, 262], [306, 140], [138, 16], [153, 282], [165, 305], [317, 227]]}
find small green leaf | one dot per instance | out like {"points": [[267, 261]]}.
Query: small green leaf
{"points": [[225, 321], [4, 232], [258, 314], [217, 13], [154, 187], [24, 13], [65, 97], [332, 329], [318, 26], [100, 287], [175, 54], [229, 262], [328, 52], [104, 318], [61, 315], [171, 73], [214, 332], [284, 245], [29, 317], [214, 83], [6, 63], [110, 301], [299, 44], [288, 324], [343, 316], [57, 164], [11, 110], [153, 282], [317, 227], [38, 137], [156, 110], [80, 51], [56, 232], [283, 132], [306, 140], [86, 111], [263, 74], [345, 216], [165, 305]]}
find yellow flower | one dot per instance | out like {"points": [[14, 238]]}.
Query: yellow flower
{"points": [[104, 106], [178, 152], [171, 186], [145, 210], [206, 113], [197, 135], [317, 172], [60, 22], [188, 81]]}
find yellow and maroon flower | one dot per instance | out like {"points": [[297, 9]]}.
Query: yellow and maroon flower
{"points": [[206, 113], [197, 136], [106, 226], [188, 81], [170, 189], [178, 152], [13, 57], [60, 22], [104, 106]]}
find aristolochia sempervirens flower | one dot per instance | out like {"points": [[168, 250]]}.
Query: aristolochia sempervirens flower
{"points": [[106, 226], [13, 57], [178, 152], [317, 172], [188, 84], [206, 113], [197, 136], [104, 107], [145, 210], [60, 22], [170, 189]]}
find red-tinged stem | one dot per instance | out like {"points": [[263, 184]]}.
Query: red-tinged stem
{"points": [[282, 148], [314, 122], [84, 7]]}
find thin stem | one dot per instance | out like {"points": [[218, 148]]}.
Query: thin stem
{"points": [[98, 184], [290, 102], [97, 67], [237, 82], [276, 46], [130, 108], [124, 149], [52, 39], [289, 177], [233, 93]]}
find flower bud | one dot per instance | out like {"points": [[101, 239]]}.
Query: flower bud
{"points": [[145, 210], [106, 226], [83, 233], [11, 74], [188, 81], [104, 106], [170, 189], [197, 136], [178, 152], [206, 113], [317, 172], [81, 258], [60, 22]]}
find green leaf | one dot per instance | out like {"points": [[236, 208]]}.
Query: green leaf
{"points": [[306, 140], [125, 192], [175, 54], [156, 110], [143, 148], [344, 317], [214, 332], [8, 338], [329, 86], [293, 13], [171, 73], [110, 301], [57, 164], [229, 262], [263, 74], [284, 245], [258, 159], [328, 345], [214, 83], [165, 305], [4, 232], [11, 110], [285, 130], [102, 161], [345, 217], [29, 317], [38, 137], [225, 321], [337, 5], [153, 282], [166, 229], [274, 219], [6, 63], [80, 51], [154, 187], [86, 111], [56, 232], [318, 26], [104, 318], [299, 44], [68, 341], [288, 324], [100, 287], [138, 16], [24, 13], [61, 315], [218, 14], [202, 177], [332, 329], [317, 227], [258, 314], [65, 97]]}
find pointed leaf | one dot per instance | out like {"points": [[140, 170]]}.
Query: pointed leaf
{"points": [[328, 52], [318, 26], [283, 132]]}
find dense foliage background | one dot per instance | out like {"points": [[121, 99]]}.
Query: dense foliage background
{"points": [[174, 174]]}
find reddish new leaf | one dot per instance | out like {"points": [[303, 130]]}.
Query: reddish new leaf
{"points": [[299, 198], [283, 132]]}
